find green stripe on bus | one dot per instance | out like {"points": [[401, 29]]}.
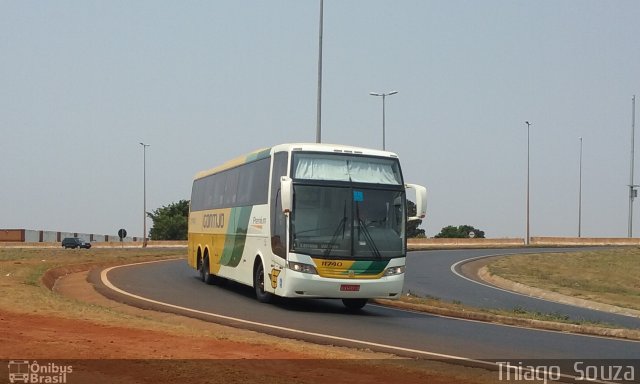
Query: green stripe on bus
{"points": [[236, 236], [258, 155], [369, 267]]}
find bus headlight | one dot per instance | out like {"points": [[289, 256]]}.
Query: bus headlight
{"points": [[394, 271], [303, 268]]}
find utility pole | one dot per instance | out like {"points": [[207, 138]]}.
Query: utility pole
{"points": [[528, 234], [632, 187], [580, 195], [144, 193], [319, 106]]}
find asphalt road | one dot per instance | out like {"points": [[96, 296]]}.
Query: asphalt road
{"points": [[173, 286], [430, 274]]}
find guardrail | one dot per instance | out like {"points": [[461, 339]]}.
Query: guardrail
{"points": [[100, 244], [544, 241], [427, 243]]}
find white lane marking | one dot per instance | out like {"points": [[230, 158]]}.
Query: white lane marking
{"points": [[454, 266], [494, 365]]}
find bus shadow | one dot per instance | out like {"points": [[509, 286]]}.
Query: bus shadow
{"points": [[332, 306], [335, 306]]}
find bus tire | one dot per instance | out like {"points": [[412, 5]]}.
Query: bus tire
{"points": [[354, 304], [258, 284], [205, 273]]}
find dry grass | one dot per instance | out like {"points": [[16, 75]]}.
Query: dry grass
{"points": [[21, 271], [609, 276]]}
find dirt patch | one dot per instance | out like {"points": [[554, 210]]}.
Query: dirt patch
{"points": [[131, 355], [51, 337]]}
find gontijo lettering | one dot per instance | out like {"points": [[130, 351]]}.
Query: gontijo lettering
{"points": [[213, 220]]}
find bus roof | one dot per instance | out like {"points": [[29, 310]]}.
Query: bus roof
{"points": [[334, 148], [293, 147]]}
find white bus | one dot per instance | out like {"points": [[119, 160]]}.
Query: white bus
{"points": [[304, 221]]}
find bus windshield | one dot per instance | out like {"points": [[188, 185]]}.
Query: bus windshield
{"points": [[348, 222], [349, 168]]}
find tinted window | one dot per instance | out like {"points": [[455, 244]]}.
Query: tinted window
{"points": [[244, 185], [231, 188]]}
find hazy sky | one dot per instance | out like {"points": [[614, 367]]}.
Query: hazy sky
{"points": [[83, 82]]}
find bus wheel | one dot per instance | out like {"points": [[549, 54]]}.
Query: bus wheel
{"points": [[205, 274], [258, 284], [354, 304]]}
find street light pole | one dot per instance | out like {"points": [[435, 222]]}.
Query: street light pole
{"points": [[632, 187], [144, 193], [580, 195], [319, 106], [384, 96], [528, 235]]}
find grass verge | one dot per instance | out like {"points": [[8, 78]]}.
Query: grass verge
{"points": [[608, 276], [22, 271]]}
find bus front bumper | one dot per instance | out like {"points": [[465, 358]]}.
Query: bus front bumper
{"points": [[304, 285]]}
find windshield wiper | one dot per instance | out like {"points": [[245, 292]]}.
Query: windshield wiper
{"points": [[367, 236], [341, 226]]}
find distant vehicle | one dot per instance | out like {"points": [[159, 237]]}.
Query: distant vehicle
{"points": [[75, 242]]}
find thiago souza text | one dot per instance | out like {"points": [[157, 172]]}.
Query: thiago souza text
{"points": [[580, 371]]}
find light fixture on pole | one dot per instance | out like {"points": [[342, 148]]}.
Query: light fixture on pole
{"points": [[384, 96], [527, 239], [144, 193]]}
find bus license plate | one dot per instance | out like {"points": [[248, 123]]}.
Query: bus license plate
{"points": [[350, 287]]}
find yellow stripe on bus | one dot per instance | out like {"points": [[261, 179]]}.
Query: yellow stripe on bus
{"points": [[347, 269]]}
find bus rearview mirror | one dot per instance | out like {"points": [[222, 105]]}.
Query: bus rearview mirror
{"points": [[286, 194], [421, 201]]}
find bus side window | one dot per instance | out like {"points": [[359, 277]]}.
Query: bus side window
{"points": [[231, 188]]}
